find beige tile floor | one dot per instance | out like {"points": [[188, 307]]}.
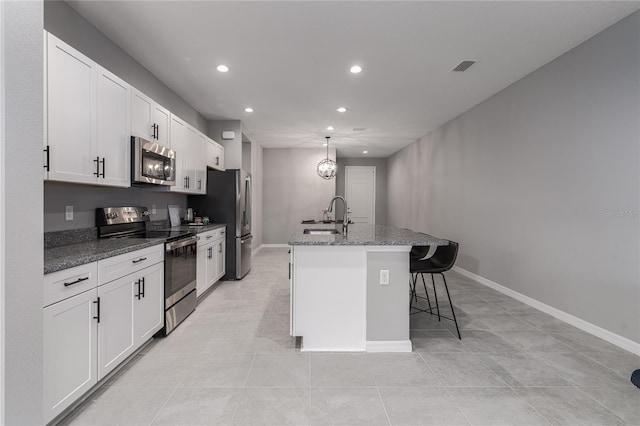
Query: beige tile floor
{"points": [[233, 362]]}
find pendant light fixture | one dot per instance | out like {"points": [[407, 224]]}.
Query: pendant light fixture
{"points": [[327, 168]]}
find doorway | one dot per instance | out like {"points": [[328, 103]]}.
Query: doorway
{"points": [[360, 191]]}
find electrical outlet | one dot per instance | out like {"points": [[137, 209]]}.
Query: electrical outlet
{"points": [[68, 212], [384, 277], [153, 209]]}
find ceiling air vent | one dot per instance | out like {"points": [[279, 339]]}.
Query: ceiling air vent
{"points": [[359, 129], [464, 65]]}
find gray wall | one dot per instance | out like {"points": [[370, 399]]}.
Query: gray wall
{"points": [[85, 199], [387, 305], [232, 147], [540, 183], [292, 190], [21, 177], [257, 191], [381, 183], [67, 24]]}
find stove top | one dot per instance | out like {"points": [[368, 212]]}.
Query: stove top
{"points": [[169, 234], [130, 222]]}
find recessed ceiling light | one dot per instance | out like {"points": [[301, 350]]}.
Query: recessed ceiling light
{"points": [[342, 109], [248, 109], [365, 152], [222, 68], [330, 128], [324, 144], [356, 69]]}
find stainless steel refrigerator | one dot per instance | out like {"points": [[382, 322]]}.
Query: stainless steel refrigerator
{"points": [[228, 201]]}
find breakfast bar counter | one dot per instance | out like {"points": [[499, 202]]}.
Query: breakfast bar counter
{"points": [[351, 292]]}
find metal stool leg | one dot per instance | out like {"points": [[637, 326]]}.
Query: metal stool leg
{"points": [[451, 304], [435, 296], [426, 293]]}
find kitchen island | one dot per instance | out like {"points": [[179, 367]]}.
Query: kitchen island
{"points": [[351, 293]]}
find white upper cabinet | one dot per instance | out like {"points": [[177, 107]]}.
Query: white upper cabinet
{"points": [[113, 137], [70, 99], [178, 131], [189, 146], [215, 155], [149, 120], [87, 120]]}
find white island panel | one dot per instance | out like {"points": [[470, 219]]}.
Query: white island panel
{"points": [[330, 297]]}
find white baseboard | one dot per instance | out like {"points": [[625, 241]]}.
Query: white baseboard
{"points": [[389, 346], [615, 339], [255, 250]]}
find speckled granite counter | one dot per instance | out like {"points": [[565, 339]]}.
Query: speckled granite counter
{"points": [[63, 253], [68, 256], [364, 235], [202, 228]]}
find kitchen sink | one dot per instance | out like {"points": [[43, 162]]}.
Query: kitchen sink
{"points": [[329, 231]]}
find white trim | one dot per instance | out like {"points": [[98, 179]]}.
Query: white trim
{"points": [[387, 249], [274, 246], [346, 187], [302, 349], [615, 339], [256, 250], [389, 346]]}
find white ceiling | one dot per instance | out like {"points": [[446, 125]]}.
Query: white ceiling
{"points": [[290, 60]]}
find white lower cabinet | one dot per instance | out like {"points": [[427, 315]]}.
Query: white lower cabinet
{"points": [[210, 264], [70, 351], [115, 327], [87, 335], [130, 314]]}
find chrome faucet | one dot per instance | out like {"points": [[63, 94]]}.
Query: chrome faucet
{"points": [[345, 218]]}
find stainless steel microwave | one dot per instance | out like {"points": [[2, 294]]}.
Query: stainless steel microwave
{"points": [[152, 163]]}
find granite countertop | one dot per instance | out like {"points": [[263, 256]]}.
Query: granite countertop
{"points": [[364, 235], [70, 255], [89, 248], [201, 228]]}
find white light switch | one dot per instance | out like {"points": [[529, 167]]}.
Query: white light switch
{"points": [[384, 277], [68, 212], [153, 209]]}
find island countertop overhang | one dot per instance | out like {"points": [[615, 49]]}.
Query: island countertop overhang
{"points": [[363, 235]]}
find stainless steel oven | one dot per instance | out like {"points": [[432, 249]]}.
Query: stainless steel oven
{"points": [[152, 163], [179, 280]]}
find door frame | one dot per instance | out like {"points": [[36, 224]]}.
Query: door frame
{"points": [[346, 186]]}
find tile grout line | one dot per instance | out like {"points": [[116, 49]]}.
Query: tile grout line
{"points": [[168, 398]]}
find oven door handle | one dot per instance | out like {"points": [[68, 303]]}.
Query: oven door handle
{"points": [[181, 243]]}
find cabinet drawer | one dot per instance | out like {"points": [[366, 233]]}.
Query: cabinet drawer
{"points": [[63, 284], [128, 263], [210, 236]]}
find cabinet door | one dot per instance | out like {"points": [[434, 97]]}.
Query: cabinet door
{"points": [[113, 140], [71, 80], [69, 351], [202, 263], [161, 118], [142, 119], [148, 303], [213, 271], [292, 288], [115, 329], [178, 131], [191, 151], [201, 164], [221, 154], [220, 256]]}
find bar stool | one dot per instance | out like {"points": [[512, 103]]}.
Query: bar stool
{"points": [[442, 260]]}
